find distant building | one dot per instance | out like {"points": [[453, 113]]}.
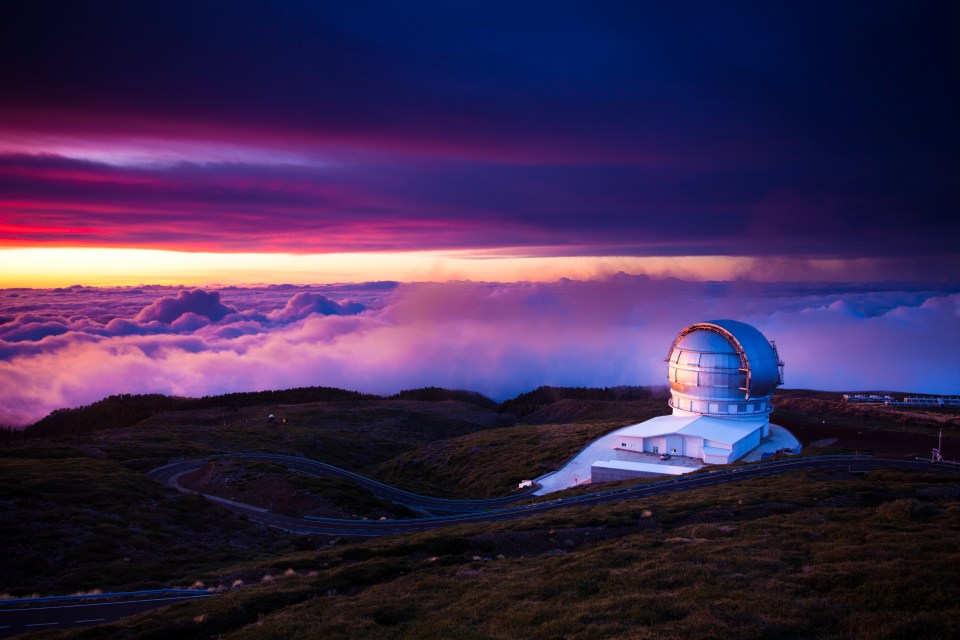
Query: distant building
{"points": [[930, 402], [722, 376], [875, 399]]}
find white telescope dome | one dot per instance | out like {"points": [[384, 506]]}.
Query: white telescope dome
{"points": [[723, 367]]}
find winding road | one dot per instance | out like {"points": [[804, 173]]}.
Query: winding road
{"points": [[499, 509]]}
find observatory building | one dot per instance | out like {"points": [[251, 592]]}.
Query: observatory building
{"points": [[722, 375]]}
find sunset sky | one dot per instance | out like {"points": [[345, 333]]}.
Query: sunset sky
{"points": [[482, 131], [204, 145]]}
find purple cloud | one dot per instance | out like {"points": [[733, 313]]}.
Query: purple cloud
{"points": [[305, 303], [19, 331], [499, 339], [197, 302]]}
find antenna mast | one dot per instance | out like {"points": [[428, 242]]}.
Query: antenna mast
{"points": [[936, 455]]}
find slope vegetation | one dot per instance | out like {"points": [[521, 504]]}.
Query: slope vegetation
{"points": [[807, 555]]}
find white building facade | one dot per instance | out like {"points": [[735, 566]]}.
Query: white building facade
{"points": [[713, 440]]}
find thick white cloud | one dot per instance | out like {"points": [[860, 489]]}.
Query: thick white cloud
{"points": [[499, 339]]}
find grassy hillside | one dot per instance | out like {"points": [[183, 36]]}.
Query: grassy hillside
{"points": [[71, 522], [490, 463], [761, 559], [272, 486], [356, 434], [800, 556], [570, 404], [903, 431], [78, 513], [129, 409]]}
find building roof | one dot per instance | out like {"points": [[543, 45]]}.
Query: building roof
{"points": [[718, 429]]}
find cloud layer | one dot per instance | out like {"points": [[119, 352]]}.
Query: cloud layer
{"points": [[72, 346]]}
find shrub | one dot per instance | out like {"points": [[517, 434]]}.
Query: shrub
{"points": [[907, 509]]}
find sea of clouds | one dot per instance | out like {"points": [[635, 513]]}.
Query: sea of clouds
{"points": [[72, 346]]}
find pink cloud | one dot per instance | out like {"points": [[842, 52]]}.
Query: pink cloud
{"points": [[499, 339], [307, 303], [196, 302]]}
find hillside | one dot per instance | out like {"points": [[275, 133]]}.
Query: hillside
{"points": [[491, 462], [71, 522], [822, 554], [814, 416], [72, 501], [128, 409], [806, 555]]}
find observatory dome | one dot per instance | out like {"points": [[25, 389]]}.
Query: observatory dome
{"points": [[723, 367]]}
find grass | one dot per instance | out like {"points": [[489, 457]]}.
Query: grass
{"points": [[489, 463], [829, 555], [813, 415], [834, 556], [492, 462], [73, 523], [76, 511], [273, 486], [357, 435]]}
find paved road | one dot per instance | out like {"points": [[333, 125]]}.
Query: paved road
{"points": [[502, 509], [427, 505], [19, 616]]}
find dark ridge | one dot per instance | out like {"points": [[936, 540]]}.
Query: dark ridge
{"points": [[439, 394], [527, 403], [125, 410], [298, 395]]}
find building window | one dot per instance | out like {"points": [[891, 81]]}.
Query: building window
{"points": [[656, 449]]}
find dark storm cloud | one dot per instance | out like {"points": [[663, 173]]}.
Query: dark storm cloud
{"points": [[694, 128], [431, 204], [436, 68]]}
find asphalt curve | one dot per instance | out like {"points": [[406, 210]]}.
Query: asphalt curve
{"points": [[36, 614], [494, 510]]}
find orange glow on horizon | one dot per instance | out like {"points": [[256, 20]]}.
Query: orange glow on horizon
{"points": [[62, 267]]}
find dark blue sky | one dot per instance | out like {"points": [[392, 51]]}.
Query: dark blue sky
{"points": [[809, 130]]}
